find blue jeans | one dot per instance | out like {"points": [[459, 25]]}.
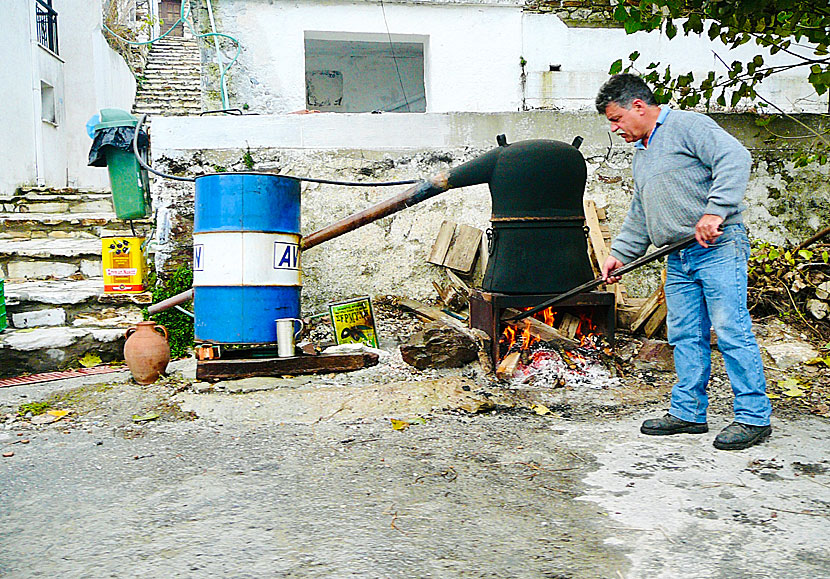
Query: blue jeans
{"points": [[706, 288]]}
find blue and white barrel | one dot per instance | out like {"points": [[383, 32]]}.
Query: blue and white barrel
{"points": [[246, 256]]}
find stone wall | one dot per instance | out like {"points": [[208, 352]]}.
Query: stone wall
{"points": [[577, 13], [785, 203]]}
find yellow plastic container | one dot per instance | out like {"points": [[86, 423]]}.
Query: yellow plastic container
{"points": [[123, 264]]}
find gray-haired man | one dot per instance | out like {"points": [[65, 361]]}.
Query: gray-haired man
{"points": [[690, 176]]}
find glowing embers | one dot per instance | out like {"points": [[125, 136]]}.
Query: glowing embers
{"points": [[573, 354]]}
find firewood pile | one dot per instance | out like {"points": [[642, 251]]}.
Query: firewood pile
{"points": [[792, 284]]}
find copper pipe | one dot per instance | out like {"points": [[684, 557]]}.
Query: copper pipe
{"points": [[170, 302], [419, 192]]}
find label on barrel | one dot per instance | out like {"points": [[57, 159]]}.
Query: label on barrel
{"points": [[234, 258], [286, 255]]}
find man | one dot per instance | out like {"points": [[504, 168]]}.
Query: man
{"points": [[690, 176]]}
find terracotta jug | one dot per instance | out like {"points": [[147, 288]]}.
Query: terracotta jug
{"points": [[147, 351]]}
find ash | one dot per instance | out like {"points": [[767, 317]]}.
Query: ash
{"points": [[547, 368]]}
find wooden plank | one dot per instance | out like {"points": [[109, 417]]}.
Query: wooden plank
{"points": [[596, 240], [508, 365], [656, 320], [601, 213], [462, 252], [434, 314], [459, 284], [569, 325], [595, 233], [484, 253], [213, 370], [627, 312], [647, 309], [540, 329], [442, 243]]}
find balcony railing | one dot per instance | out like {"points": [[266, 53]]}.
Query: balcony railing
{"points": [[46, 21]]}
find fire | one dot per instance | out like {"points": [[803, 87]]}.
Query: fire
{"points": [[531, 361], [587, 333]]}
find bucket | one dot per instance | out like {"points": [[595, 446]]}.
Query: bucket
{"points": [[246, 257]]}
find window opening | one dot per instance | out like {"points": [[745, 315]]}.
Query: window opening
{"points": [[358, 75]]}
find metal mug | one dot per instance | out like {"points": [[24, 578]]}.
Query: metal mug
{"points": [[286, 336]]}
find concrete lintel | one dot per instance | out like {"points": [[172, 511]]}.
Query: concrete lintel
{"points": [[387, 131]]}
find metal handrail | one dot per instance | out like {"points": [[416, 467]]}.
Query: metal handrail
{"points": [[46, 23]]}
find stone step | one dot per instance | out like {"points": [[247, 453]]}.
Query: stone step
{"points": [[68, 293], [180, 71], [46, 258], [49, 349], [161, 83], [39, 225], [75, 303], [170, 95], [168, 99], [57, 202], [167, 112]]}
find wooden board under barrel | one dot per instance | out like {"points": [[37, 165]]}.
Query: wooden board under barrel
{"points": [[234, 369]]}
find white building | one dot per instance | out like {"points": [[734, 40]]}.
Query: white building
{"points": [[58, 71], [452, 55]]}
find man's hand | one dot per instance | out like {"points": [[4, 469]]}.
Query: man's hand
{"points": [[706, 230], [611, 263]]}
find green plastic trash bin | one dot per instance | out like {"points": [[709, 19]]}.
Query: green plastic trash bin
{"points": [[128, 179]]}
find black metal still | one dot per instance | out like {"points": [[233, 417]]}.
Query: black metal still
{"points": [[537, 242]]}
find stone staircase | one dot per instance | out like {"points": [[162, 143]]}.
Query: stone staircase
{"points": [[50, 256], [171, 85]]}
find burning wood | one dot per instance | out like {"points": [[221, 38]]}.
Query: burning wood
{"points": [[538, 353]]}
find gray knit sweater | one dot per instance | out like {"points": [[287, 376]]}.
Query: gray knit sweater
{"points": [[691, 167]]}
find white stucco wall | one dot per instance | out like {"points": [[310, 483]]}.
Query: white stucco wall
{"points": [[50, 70], [96, 77], [87, 75], [17, 107], [586, 54], [472, 54], [472, 60]]}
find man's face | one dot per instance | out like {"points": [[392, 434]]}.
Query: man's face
{"points": [[630, 122]]}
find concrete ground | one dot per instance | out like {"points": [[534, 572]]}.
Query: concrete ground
{"points": [[310, 477]]}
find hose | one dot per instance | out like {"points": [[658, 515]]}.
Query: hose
{"points": [[183, 14]]}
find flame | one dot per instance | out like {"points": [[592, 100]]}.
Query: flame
{"points": [[587, 332]]}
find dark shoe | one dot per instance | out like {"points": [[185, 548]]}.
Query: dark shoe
{"points": [[669, 424], [738, 436]]}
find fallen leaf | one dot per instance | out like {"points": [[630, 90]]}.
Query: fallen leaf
{"points": [[89, 360], [817, 361], [399, 424], [147, 417], [58, 414], [773, 396], [540, 409], [789, 383], [794, 392]]}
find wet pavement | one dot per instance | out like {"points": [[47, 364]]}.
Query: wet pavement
{"points": [[312, 478]]}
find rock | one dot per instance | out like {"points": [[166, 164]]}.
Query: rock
{"points": [[438, 346], [43, 419], [823, 291], [817, 308], [788, 354], [48, 317], [655, 355]]}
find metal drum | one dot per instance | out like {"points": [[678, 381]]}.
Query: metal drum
{"points": [[246, 256]]}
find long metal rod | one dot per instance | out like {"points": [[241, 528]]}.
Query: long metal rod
{"points": [[665, 250]]}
